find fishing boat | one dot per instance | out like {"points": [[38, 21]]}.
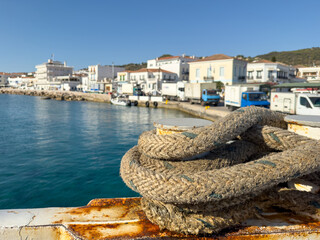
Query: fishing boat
{"points": [[122, 101]]}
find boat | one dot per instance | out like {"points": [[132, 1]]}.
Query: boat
{"points": [[120, 101]]}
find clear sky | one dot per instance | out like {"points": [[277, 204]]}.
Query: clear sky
{"points": [[122, 31]]}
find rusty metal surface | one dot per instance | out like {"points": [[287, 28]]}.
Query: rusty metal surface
{"points": [[122, 218], [274, 225]]}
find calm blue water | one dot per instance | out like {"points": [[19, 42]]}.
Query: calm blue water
{"points": [[57, 153]]}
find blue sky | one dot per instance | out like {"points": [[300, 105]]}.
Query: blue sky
{"points": [[122, 31]]}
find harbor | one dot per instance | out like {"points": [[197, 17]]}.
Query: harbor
{"points": [[130, 120], [196, 110], [124, 218]]}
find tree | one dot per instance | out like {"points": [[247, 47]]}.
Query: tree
{"points": [[220, 85], [273, 59], [165, 55]]}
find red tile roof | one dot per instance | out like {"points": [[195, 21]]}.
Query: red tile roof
{"points": [[263, 61], [214, 57], [267, 61], [170, 57], [4, 73]]}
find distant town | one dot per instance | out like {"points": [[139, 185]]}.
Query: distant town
{"points": [[219, 68]]}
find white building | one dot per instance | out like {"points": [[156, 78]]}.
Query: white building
{"points": [[46, 74], [311, 74], [68, 83], [150, 80], [84, 80], [21, 80], [99, 75], [175, 64], [266, 71], [4, 78]]}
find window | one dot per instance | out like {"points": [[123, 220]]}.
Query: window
{"points": [[315, 101], [197, 73], [259, 74], [269, 73], [244, 96], [221, 71], [211, 92], [208, 72], [304, 102]]}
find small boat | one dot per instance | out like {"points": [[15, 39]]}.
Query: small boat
{"points": [[120, 101]]}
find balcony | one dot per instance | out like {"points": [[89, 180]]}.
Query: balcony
{"points": [[242, 78], [250, 77], [185, 72], [208, 78], [259, 77]]}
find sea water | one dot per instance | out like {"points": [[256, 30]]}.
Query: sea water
{"points": [[63, 154]]}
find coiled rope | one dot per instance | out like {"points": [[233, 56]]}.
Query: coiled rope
{"points": [[207, 195]]}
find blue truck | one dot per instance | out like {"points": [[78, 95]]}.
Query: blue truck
{"points": [[203, 93], [237, 96]]}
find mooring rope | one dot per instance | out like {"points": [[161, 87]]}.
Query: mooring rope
{"points": [[207, 195]]}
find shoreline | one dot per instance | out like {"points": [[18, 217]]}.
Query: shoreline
{"points": [[59, 95], [211, 113]]}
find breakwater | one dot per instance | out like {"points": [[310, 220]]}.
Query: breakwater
{"points": [[59, 95]]}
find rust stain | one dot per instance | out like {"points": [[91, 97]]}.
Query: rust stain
{"points": [[12, 212], [58, 222], [290, 225], [298, 127], [84, 210], [111, 202]]}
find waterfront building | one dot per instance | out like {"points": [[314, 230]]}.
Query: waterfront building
{"points": [[262, 71], [150, 80], [24, 82], [310, 74], [46, 74], [218, 67], [67, 83], [99, 76], [175, 64], [4, 79]]}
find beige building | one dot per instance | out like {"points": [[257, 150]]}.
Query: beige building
{"points": [[218, 67]]}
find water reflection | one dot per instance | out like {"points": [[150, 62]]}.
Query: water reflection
{"points": [[58, 153]]}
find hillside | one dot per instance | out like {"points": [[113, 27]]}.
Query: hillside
{"points": [[306, 57], [133, 66]]}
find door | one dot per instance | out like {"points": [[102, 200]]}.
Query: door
{"points": [[287, 105]]}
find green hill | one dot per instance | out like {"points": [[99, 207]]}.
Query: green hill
{"points": [[306, 57]]}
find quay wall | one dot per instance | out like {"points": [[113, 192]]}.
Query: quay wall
{"points": [[211, 113], [59, 95]]}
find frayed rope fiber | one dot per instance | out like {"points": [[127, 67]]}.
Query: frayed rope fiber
{"points": [[205, 196]]}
